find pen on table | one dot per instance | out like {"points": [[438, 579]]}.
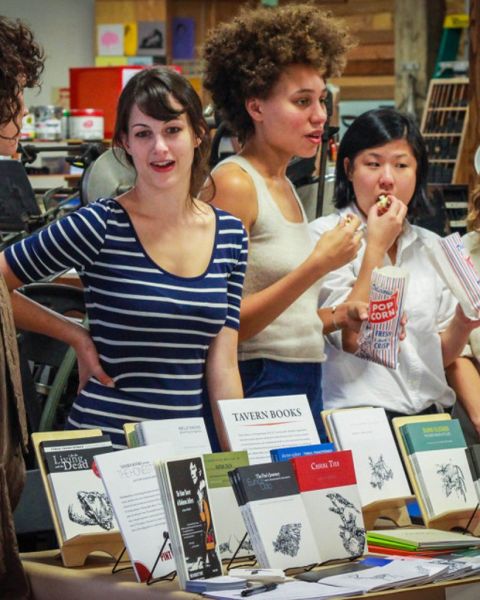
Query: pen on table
{"points": [[259, 589]]}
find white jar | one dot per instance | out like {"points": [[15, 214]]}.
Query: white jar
{"points": [[86, 124], [48, 122]]}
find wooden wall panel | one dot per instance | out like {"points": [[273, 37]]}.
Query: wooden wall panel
{"points": [[124, 11]]}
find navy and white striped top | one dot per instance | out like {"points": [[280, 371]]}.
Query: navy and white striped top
{"points": [[152, 329]]}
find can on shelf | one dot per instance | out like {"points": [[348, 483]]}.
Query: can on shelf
{"points": [[48, 122], [86, 124], [28, 127]]}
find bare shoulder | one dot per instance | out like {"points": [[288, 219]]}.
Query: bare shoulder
{"points": [[235, 192]]}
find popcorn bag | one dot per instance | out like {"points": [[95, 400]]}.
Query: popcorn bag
{"points": [[455, 267], [378, 339]]}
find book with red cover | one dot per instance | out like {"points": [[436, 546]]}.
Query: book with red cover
{"points": [[328, 487]]}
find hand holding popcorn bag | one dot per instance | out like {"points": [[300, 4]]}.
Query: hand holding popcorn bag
{"points": [[455, 267], [379, 337]]}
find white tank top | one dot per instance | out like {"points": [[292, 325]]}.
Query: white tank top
{"points": [[277, 247]]}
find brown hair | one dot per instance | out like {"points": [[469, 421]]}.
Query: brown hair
{"points": [[21, 64], [473, 217], [151, 90], [245, 57]]}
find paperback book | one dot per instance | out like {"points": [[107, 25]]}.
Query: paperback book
{"points": [[378, 466], [260, 424], [231, 529], [473, 459], [132, 486], [190, 518], [279, 454], [274, 515], [436, 451], [80, 501], [421, 538], [189, 435], [329, 491]]}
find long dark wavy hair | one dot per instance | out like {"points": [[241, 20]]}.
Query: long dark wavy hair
{"points": [[21, 64]]}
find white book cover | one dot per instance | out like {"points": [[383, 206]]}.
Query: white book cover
{"points": [[378, 466], [445, 481], [436, 450], [132, 486], [228, 518], [79, 496], [189, 435], [260, 424], [329, 491], [397, 573], [276, 517]]}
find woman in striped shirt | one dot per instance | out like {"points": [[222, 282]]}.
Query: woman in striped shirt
{"points": [[162, 273]]}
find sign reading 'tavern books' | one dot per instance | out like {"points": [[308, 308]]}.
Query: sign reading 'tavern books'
{"points": [[260, 424]]}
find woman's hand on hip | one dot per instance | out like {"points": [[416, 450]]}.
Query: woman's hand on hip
{"points": [[89, 363]]}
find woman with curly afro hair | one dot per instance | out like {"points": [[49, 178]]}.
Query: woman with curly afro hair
{"points": [[266, 72], [21, 63]]}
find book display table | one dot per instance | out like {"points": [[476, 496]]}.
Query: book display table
{"points": [[49, 580]]}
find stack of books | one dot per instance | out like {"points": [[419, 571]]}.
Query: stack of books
{"points": [[132, 486], [301, 512], [419, 539], [190, 520]]}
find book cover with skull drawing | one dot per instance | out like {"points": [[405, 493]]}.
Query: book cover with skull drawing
{"points": [[81, 502], [437, 454], [274, 515], [329, 490], [378, 466]]}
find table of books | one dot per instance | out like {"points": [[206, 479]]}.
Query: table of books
{"points": [[50, 580]]}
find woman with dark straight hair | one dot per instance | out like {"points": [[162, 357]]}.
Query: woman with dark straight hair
{"points": [[162, 271], [382, 154]]}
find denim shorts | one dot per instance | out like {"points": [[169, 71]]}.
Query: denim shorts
{"points": [[266, 377]]}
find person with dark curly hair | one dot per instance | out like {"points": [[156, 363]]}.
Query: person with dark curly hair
{"points": [[21, 64], [266, 72]]}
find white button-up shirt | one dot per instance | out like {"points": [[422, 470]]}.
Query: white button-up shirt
{"points": [[419, 380]]}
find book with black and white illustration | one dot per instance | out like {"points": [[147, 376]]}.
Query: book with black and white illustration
{"points": [[80, 500], [275, 515], [329, 491], [228, 518], [473, 459], [132, 486], [397, 573], [260, 424], [436, 451], [378, 466], [189, 434], [190, 518]]}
